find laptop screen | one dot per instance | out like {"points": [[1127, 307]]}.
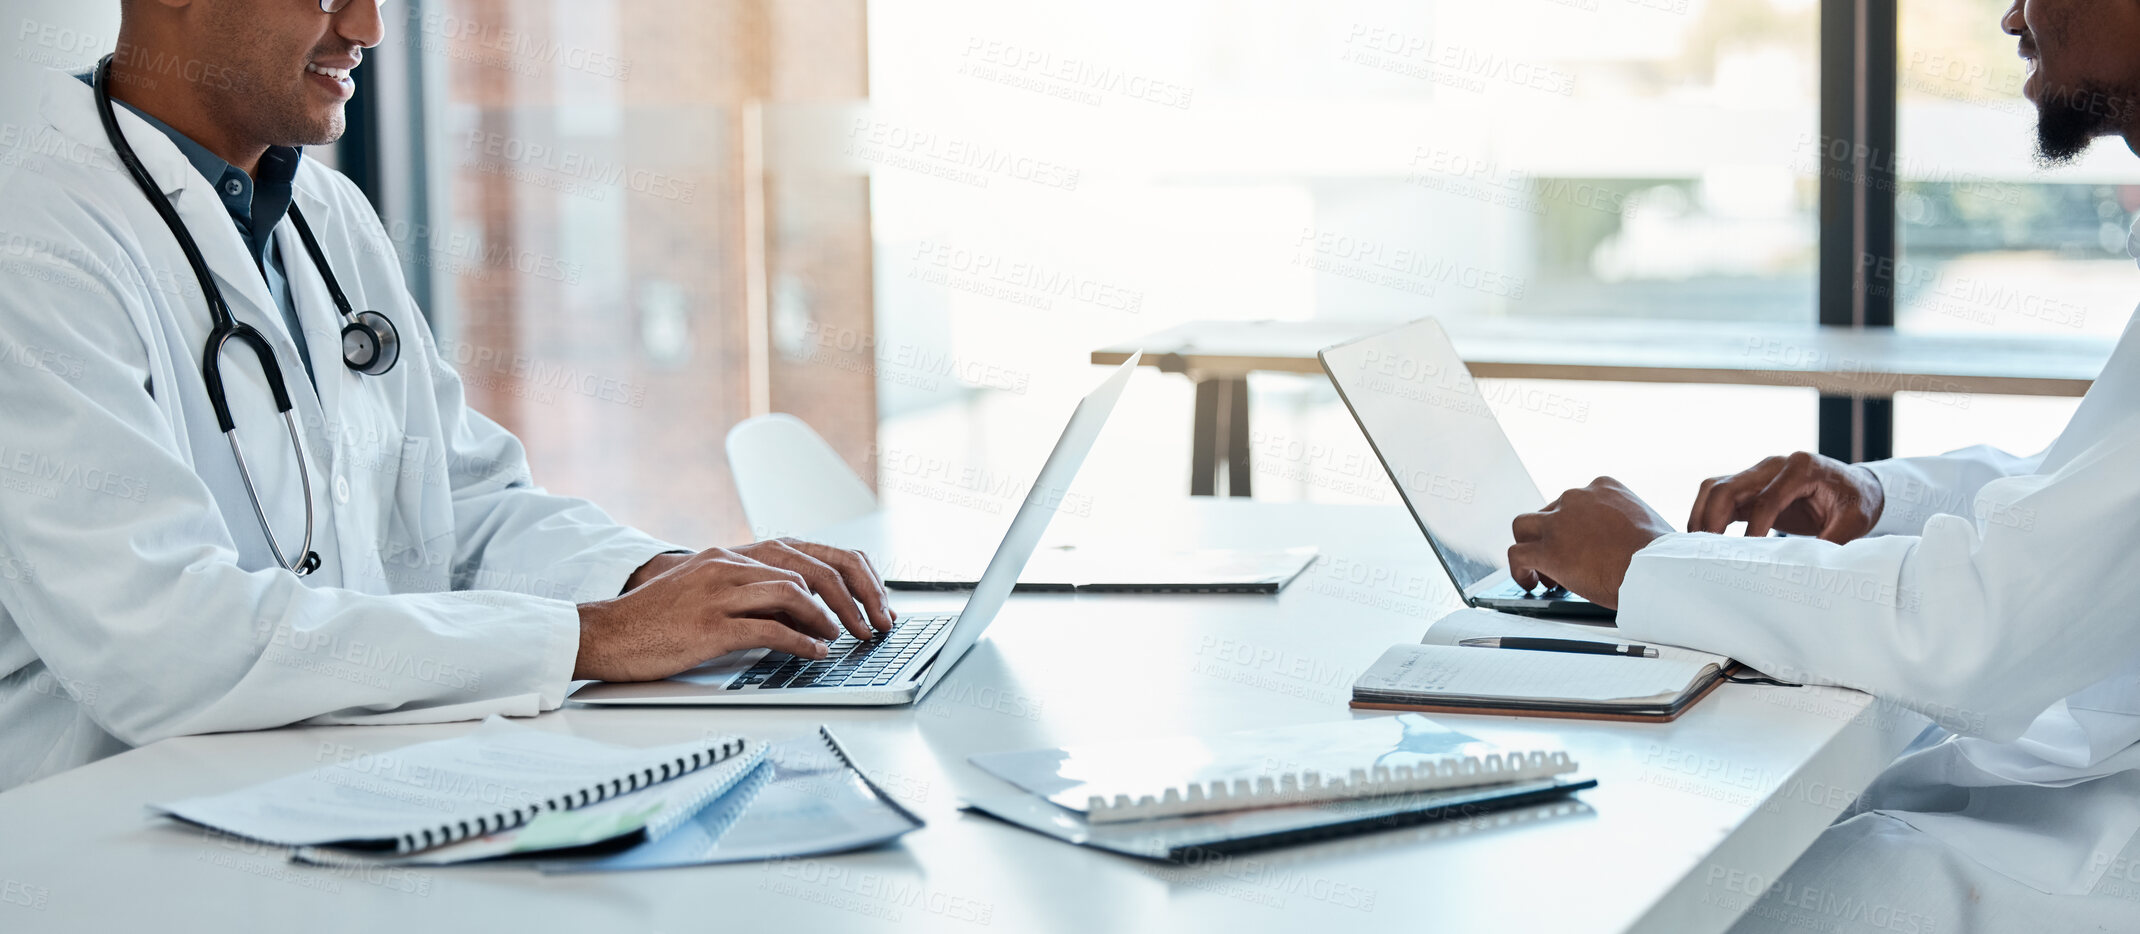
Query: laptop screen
{"points": [[1031, 521], [1426, 419]]}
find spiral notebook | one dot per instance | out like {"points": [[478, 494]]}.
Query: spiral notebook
{"points": [[1315, 763], [1196, 838], [499, 777], [622, 822]]}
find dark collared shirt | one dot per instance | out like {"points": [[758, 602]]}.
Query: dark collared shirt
{"points": [[256, 205]]}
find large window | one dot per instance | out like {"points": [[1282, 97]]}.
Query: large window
{"points": [[1052, 178], [1987, 240], [911, 221], [636, 222]]}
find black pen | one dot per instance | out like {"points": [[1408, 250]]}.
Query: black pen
{"points": [[1561, 645]]}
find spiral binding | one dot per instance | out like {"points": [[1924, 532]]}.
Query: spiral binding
{"points": [[753, 781], [1310, 785], [741, 768], [602, 791], [824, 733]]}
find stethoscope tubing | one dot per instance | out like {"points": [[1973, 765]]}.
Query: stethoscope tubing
{"points": [[227, 328]]}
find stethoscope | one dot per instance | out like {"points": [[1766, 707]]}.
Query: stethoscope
{"points": [[370, 345]]}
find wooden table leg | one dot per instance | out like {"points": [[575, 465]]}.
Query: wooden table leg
{"points": [[1220, 437], [1203, 443], [1235, 403]]}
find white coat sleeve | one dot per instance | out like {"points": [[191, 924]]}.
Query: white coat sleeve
{"points": [[510, 534], [1980, 623], [126, 579], [1917, 488]]}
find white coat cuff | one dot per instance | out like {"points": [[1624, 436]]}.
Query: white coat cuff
{"points": [[1909, 499], [1715, 593], [562, 621], [1653, 595]]}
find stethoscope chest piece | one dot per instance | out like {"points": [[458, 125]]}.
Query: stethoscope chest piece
{"points": [[370, 345]]}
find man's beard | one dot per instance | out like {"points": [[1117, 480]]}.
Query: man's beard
{"points": [[2070, 118], [263, 89], [274, 111]]}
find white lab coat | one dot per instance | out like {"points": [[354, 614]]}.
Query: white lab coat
{"points": [[138, 597], [1999, 596]]}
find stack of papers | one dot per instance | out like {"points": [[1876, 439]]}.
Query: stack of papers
{"points": [[508, 791]]}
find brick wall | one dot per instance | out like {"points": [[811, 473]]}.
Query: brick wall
{"points": [[596, 252]]}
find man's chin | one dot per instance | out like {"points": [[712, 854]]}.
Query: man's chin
{"points": [[2064, 131], [2058, 153], [321, 130]]}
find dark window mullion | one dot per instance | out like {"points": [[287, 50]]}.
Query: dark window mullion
{"points": [[1856, 160], [382, 148]]}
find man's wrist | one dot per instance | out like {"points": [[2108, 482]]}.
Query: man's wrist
{"points": [[653, 568], [1875, 494]]}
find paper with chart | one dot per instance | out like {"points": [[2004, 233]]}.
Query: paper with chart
{"points": [[806, 799]]}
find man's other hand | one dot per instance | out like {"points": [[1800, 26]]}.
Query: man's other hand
{"points": [[844, 579], [1584, 540], [1802, 494]]}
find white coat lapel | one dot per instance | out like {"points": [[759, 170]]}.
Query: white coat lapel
{"points": [[68, 106], [199, 207], [244, 288]]}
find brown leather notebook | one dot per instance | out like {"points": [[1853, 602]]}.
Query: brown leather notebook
{"points": [[1666, 714], [1442, 676]]}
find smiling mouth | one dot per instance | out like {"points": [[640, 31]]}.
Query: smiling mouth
{"points": [[338, 74]]}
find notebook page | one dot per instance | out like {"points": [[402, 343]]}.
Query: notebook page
{"points": [[1455, 671], [1472, 623]]}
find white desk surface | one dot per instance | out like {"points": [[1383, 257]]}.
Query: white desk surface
{"points": [[1688, 817]]}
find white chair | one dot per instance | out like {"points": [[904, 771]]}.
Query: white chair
{"points": [[791, 482]]}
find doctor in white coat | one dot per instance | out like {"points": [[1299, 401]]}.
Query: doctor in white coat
{"points": [[141, 596], [1997, 595]]}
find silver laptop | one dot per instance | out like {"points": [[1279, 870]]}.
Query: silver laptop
{"points": [[1427, 421], [899, 666]]}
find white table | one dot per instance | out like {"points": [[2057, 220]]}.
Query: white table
{"points": [[1688, 817], [1872, 363]]}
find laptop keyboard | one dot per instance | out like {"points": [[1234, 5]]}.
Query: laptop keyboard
{"points": [[1510, 590], [848, 661]]}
